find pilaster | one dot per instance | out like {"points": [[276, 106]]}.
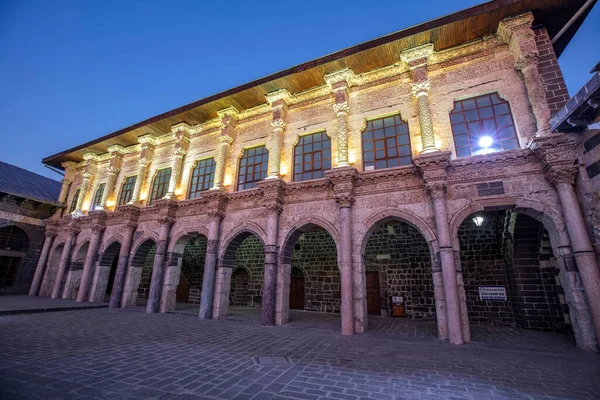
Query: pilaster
{"points": [[114, 166], [228, 120], [148, 143], [339, 82], [181, 132], [88, 176], [279, 101]]}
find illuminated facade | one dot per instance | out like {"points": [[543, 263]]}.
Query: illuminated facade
{"points": [[425, 149]]}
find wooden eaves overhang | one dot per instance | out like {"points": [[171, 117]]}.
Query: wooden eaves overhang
{"points": [[444, 32]]}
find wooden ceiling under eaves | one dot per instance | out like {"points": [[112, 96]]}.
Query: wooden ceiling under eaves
{"points": [[444, 32]]}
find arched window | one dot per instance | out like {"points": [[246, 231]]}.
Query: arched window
{"points": [[203, 177], [13, 241], [127, 190], [386, 143], [253, 167], [312, 156], [160, 185], [74, 201], [98, 196], [482, 125]]}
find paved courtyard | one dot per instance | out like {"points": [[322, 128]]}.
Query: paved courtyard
{"points": [[127, 354]]}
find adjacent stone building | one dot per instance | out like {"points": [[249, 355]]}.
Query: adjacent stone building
{"points": [[420, 165], [26, 200]]}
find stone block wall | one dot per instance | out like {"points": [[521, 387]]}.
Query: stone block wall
{"points": [[315, 254], [554, 83], [401, 255], [144, 287], [247, 290], [192, 267]]}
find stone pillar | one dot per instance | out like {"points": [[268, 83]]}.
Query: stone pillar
{"points": [[182, 142], [273, 202], [88, 175], [343, 189], [433, 169], [148, 143], [216, 208], [119, 282], [67, 180], [517, 33], [340, 82], [65, 257], [558, 157], [417, 58], [166, 219], [116, 161], [228, 118], [98, 226], [278, 101], [50, 234]]}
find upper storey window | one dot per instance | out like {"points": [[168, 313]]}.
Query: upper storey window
{"points": [[203, 177], [160, 185], [386, 143], [127, 190], [74, 201], [483, 125], [312, 156], [253, 167], [98, 196]]}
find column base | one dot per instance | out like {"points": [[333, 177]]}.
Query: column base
{"points": [[428, 150], [342, 165]]}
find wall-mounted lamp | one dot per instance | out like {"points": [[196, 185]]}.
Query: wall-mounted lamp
{"points": [[478, 221]]}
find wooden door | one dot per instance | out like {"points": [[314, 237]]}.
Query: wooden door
{"points": [[183, 290], [373, 299], [297, 290]]}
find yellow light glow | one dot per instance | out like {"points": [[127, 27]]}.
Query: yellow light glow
{"points": [[352, 156], [227, 180], [439, 143], [283, 170], [110, 203], [143, 196], [178, 192]]}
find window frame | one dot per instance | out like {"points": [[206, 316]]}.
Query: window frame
{"points": [[195, 194], [122, 187], [399, 157], [164, 184], [98, 199], [74, 200], [472, 137], [264, 172], [322, 160]]}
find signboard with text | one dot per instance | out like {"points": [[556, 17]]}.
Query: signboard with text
{"points": [[492, 293]]}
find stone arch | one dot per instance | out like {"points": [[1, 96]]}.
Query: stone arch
{"points": [[137, 243], [288, 241], [135, 270], [361, 238], [14, 241], [74, 270], [235, 238], [107, 242], [181, 238], [51, 269], [104, 275]]}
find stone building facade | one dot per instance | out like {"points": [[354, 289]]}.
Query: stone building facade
{"points": [[371, 183]]}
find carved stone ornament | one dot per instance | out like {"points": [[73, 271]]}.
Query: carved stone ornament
{"points": [[420, 88], [558, 156], [343, 180], [144, 162], [273, 191], [225, 139], [278, 124], [432, 166], [422, 52], [345, 76], [279, 95], [341, 108]]}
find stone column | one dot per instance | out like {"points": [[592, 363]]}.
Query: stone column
{"points": [[278, 101], [50, 234], [216, 209], [340, 82], [417, 59], [98, 226], [88, 175], [129, 229], [343, 189], [182, 142], [433, 169], [273, 202], [228, 118], [66, 184], [517, 33], [558, 157], [116, 161], [148, 143], [166, 219], [65, 257]]}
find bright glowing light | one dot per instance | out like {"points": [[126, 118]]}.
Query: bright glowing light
{"points": [[227, 180], [478, 221], [110, 203], [485, 141], [178, 192]]}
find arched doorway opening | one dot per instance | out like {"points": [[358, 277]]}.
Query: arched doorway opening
{"points": [[72, 277], [239, 282], [104, 276], [139, 274], [297, 289], [51, 270], [398, 272], [14, 244], [511, 274]]}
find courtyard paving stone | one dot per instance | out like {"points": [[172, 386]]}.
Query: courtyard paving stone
{"points": [[127, 354]]}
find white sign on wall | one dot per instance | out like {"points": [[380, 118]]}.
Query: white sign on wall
{"points": [[492, 293]]}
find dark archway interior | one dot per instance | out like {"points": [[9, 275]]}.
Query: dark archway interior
{"points": [[315, 270], [144, 257], [189, 289], [14, 245], [511, 251], [110, 258], [397, 260], [248, 266]]}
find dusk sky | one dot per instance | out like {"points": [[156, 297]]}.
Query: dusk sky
{"points": [[72, 71]]}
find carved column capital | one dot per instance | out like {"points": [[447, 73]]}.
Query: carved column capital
{"points": [[432, 166], [51, 231], [216, 202], [341, 108], [558, 156], [273, 193], [278, 124], [343, 185]]}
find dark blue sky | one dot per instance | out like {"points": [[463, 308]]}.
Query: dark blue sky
{"points": [[71, 71]]}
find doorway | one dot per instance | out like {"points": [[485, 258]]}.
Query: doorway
{"points": [[297, 290], [373, 293]]}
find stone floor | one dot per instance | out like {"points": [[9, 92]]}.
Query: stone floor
{"points": [[35, 304], [127, 354]]}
